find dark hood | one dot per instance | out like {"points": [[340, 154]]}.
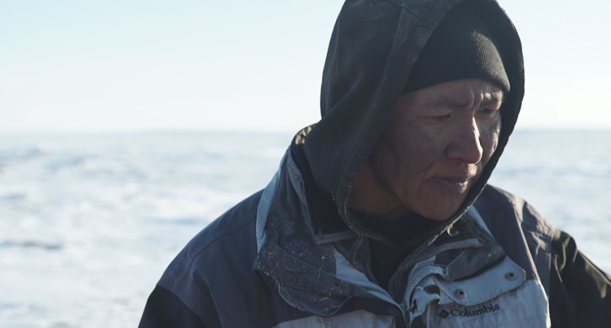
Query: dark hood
{"points": [[373, 48]]}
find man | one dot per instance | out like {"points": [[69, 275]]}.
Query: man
{"points": [[380, 215]]}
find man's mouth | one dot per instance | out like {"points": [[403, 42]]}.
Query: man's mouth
{"points": [[455, 183]]}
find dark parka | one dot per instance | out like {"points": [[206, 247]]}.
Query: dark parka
{"points": [[293, 254]]}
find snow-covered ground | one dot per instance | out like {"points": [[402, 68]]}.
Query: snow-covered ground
{"points": [[89, 222]]}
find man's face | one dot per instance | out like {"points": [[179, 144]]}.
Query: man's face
{"points": [[435, 146]]}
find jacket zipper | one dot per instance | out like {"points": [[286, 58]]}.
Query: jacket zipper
{"points": [[473, 242]]}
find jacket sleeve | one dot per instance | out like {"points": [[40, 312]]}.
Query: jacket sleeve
{"points": [[580, 293], [164, 310]]}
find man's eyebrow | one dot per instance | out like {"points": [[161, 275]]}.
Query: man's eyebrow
{"points": [[450, 101], [489, 99]]}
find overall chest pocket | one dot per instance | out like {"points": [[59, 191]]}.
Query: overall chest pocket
{"points": [[498, 297], [524, 307]]}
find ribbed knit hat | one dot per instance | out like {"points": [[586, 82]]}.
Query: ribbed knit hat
{"points": [[461, 47]]}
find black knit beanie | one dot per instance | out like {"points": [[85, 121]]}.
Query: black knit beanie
{"points": [[461, 47]]}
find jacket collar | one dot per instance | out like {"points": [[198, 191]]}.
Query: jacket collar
{"points": [[303, 266]]}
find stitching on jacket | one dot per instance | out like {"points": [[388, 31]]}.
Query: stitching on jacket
{"points": [[213, 239], [180, 292], [207, 323], [518, 206], [232, 229], [409, 10]]}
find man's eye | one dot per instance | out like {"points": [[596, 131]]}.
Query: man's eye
{"points": [[487, 111], [442, 118]]}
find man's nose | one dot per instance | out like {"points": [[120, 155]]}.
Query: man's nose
{"points": [[466, 144]]}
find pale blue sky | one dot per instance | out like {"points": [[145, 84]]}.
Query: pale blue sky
{"points": [[92, 65]]}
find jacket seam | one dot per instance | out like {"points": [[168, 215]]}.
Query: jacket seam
{"points": [[404, 7], [212, 240], [517, 214], [207, 323]]}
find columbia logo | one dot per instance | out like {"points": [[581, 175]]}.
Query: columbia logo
{"points": [[473, 312], [444, 314]]}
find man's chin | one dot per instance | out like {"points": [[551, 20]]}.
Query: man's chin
{"points": [[440, 204], [441, 211]]}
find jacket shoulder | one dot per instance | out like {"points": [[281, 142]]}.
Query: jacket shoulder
{"points": [[502, 203], [219, 257], [580, 291], [232, 225], [523, 232]]}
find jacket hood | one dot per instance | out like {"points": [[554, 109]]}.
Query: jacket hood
{"points": [[373, 48]]}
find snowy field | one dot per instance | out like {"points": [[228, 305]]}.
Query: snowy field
{"points": [[89, 222]]}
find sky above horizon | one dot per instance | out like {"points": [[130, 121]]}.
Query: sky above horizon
{"points": [[69, 65]]}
